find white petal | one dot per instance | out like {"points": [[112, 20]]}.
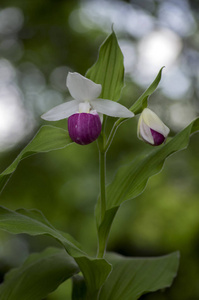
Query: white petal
{"points": [[154, 122], [61, 111], [144, 132], [82, 88], [111, 108]]}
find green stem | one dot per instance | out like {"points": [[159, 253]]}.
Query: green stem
{"points": [[102, 170], [103, 183], [101, 242], [103, 148]]}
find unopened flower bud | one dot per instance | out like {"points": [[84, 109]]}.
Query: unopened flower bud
{"points": [[151, 129], [84, 128]]}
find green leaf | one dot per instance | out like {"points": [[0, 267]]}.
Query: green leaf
{"points": [[133, 277], [141, 103], [131, 179], [34, 223], [95, 273], [48, 138], [105, 226], [109, 69], [40, 274]]}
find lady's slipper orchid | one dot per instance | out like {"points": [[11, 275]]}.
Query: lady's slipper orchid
{"points": [[84, 123], [151, 129]]}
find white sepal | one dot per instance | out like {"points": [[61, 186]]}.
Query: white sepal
{"points": [[151, 129], [154, 122], [82, 88], [111, 108], [61, 111], [144, 132]]}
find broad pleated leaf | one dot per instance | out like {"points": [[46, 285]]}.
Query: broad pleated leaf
{"points": [[34, 223], [48, 138], [40, 274], [141, 103], [109, 69], [131, 179], [133, 277], [95, 273]]}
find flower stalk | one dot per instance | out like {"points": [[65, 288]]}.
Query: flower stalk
{"points": [[102, 179], [102, 184], [103, 146]]}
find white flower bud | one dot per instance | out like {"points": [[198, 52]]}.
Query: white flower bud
{"points": [[151, 129]]}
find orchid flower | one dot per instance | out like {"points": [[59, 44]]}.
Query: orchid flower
{"points": [[84, 124], [151, 129]]}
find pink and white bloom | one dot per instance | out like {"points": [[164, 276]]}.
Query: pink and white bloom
{"points": [[84, 124], [151, 129]]}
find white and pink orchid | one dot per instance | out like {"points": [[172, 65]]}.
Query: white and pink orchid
{"points": [[84, 124]]}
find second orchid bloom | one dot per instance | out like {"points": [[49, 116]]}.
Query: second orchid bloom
{"points": [[84, 124], [151, 129]]}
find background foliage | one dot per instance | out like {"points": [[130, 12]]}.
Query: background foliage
{"points": [[40, 41]]}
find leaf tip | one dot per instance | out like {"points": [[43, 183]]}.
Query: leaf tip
{"points": [[112, 28]]}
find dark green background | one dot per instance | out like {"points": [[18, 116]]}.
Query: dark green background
{"points": [[64, 184]]}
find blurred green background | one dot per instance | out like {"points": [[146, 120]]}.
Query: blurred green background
{"points": [[40, 41]]}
